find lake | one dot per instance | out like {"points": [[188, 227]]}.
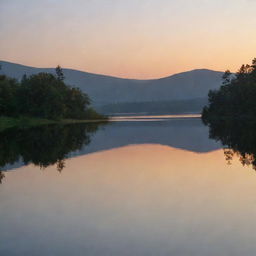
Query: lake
{"points": [[147, 185]]}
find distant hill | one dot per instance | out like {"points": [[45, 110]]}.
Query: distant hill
{"points": [[155, 107], [105, 90]]}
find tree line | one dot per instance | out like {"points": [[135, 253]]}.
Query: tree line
{"points": [[236, 98], [44, 95]]}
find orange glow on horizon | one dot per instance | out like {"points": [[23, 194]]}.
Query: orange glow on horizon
{"points": [[130, 39]]}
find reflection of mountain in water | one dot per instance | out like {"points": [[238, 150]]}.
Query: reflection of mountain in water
{"points": [[48, 145], [187, 134]]}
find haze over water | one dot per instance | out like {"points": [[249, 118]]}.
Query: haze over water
{"points": [[163, 189]]}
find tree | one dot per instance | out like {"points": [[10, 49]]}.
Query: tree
{"points": [[226, 77], [43, 95], [236, 98], [8, 96], [59, 73], [24, 79], [253, 64]]}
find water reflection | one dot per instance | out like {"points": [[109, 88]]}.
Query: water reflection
{"points": [[48, 145], [43, 146], [238, 138], [135, 200], [187, 133], [1, 176], [115, 199]]}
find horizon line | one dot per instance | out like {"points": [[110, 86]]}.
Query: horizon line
{"points": [[112, 76]]}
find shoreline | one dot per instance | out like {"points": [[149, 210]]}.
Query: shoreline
{"points": [[26, 122]]}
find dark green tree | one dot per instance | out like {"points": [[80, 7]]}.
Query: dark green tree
{"points": [[8, 96], [44, 95]]}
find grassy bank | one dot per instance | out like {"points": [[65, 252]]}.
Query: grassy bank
{"points": [[10, 122]]}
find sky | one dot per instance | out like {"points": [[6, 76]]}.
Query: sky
{"points": [[140, 39]]}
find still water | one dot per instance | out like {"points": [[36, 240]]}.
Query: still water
{"points": [[160, 187]]}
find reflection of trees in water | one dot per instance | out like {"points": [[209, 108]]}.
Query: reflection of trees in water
{"points": [[238, 138], [43, 146], [1, 176]]}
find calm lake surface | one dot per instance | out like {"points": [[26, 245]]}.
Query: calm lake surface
{"points": [[137, 186]]}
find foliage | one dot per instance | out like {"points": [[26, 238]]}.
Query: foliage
{"points": [[92, 114], [59, 73], [8, 96], [236, 98], [231, 114], [42, 96], [10, 122]]}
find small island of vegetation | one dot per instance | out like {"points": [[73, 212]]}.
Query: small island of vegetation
{"points": [[43, 99]]}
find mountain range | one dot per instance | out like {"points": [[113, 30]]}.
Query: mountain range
{"points": [[120, 94]]}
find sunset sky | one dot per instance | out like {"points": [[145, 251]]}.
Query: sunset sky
{"points": [[129, 38]]}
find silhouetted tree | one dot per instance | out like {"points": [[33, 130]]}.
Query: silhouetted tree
{"points": [[236, 98], [59, 73], [231, 114], [44, 96], [226, 77]]}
